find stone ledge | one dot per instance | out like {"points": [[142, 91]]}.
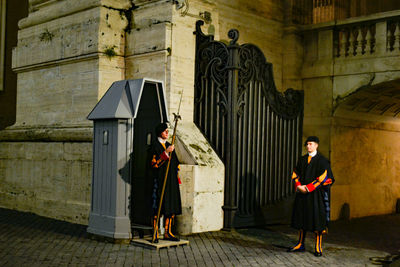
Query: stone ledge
{"points": [[55, 134], [57, 62], [50, 10]]}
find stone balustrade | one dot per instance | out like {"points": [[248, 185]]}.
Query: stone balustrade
{"points": [[355, 40], [366, 37], [360, 39]]}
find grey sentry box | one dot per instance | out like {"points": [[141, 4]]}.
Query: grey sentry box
{"points": [[124, 122]]}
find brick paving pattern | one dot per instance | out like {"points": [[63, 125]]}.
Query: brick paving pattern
{"points": [[31, 240]]}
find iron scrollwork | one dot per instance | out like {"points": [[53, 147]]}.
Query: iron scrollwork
{"points": [[252, 126], [254, 67], [211, 67]]}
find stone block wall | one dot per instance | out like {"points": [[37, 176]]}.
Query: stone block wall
{"points": [[49, 179], [68, 55]]}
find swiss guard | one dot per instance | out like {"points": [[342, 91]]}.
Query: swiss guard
{"points": [[312, 178], [162, 152]]}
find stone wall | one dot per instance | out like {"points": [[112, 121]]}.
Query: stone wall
{"points": [[64, 65], [8, 87], [335, 68], [259, 23], [68, 55], [366, 164], [49, 179]]}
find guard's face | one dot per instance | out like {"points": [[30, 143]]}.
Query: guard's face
{"points": [[311, 147], [164, 135]]}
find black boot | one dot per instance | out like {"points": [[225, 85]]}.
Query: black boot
{"points": [[300, 246], [168, 229]]}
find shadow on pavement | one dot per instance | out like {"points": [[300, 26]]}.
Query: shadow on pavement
{"points": [[36, 222]]}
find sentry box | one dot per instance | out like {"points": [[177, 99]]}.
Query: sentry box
{"points": [[124, 122]]}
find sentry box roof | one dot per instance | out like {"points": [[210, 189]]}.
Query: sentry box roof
{"points": [[121, 101]]}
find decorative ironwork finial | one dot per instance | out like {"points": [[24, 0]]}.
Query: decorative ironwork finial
{"points": [[234, 35]]}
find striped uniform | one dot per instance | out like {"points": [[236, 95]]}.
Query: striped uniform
{"points": [[311, 211]]}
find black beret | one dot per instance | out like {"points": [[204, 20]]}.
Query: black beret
{"points": [[161, 128], [312, 139]]}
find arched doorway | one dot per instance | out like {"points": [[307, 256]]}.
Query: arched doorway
{"points": [[365, 151]]}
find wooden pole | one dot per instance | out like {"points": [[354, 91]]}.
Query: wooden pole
{"points": [[177, 117]]}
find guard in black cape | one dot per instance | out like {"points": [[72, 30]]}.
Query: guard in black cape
{"points": [[161, 152], [311, 211]]}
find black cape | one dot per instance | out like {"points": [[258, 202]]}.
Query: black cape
{"points": [[311, 211], [172, 198]]}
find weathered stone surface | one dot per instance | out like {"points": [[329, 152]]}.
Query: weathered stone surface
{"points": [[202, 188], [360, 145], [58, 39], [344, 85], [50, 179], [202, 199], [58, 95], [366, 166], [255, 28]]}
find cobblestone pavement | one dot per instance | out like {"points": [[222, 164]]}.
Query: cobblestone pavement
{"points": [[31, 240]]}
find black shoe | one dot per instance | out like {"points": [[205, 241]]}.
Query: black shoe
{"points": [[300, 249], [170, 238], [317, 254]]}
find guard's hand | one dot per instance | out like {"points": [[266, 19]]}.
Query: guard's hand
{"points": [[302, 189], [170, 148]]}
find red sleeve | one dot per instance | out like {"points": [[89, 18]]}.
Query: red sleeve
{"points": [[320, 180], [159, 160]]}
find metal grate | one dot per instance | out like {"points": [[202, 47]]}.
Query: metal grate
{"points": [[255, 129]]}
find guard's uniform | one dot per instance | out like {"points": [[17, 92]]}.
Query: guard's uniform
{"points": [[172, 198], [311, 211]]}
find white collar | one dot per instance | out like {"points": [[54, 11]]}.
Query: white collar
{"points": [[162, 141], [313, 153]]}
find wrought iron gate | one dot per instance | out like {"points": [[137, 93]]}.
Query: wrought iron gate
{"points": [[255, 129]]}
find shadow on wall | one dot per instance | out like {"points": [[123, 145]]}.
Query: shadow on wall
{"points": [[140, 200], [252, 209], [344, 212], [249, 210]]}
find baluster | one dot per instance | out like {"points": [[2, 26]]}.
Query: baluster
{"points": [[343, 43], [359, 43], [389, 39], [352, 41], [396, 44], [331, 10], [315, 11], [368, 42]]}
